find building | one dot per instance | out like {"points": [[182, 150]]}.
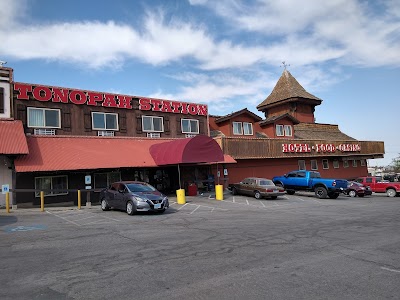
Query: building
{"points": [[289, 139], [63, 140]]}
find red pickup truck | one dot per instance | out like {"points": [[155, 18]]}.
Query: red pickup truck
{"points": [[378, 185]]}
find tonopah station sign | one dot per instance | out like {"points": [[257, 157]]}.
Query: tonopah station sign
{"points": [[80, 97]]}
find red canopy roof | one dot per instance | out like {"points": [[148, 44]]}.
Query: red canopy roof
{"points": [[198, 149], [12, 137], [53, 153]]}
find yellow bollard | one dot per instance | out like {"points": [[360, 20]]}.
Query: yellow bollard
{"points": [[180, 196], [79, 199], [41, 201], [8, 202], [219, 192]]}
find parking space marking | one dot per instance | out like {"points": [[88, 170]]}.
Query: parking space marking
{"points": [[82, 216], [198, 206], [262, 203], [247, 202], [391, 270]]}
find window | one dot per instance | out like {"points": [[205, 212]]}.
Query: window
{"points": [[237, 128], [240, 128], [152, 124], [190, 126], [288, 130], [247, 128], [362, 162], [51, 185], [43, 117], [104, 121], [302, 164], [345, 164], [103, 180], [325, 164], [336, 164], [279, 130], [301, 174], [314, 165], [354, 163]]}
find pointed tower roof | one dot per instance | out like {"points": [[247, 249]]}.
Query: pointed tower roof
{"points": [[287, 88]]}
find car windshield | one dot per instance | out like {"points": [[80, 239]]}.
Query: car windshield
{"points": [[140, 187], [266, 182]]}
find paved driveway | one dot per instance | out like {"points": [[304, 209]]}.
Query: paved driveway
{"points": [[295, 247]]}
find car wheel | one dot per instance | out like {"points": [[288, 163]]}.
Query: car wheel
{"points": [[321, 192], [234, 191], [352, 193], [104, 205], [391, 192], [257, 195], [274, 197], [130, 208], [290, 192]]}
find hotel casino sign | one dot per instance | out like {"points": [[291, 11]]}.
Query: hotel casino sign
{"points": [[320, 148], [79, 97]]}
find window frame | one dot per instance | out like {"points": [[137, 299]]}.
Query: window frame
{"points": [[105, 121], [285, 127], [250, 126], [109, 179], [314, 164], [302, 161], [37, 194], [354, 163], [336, 164], [282, 130], [325, 164], [152, 123], [190, 126], [43, 109], [362, 163], [241, 128], [345, 163]]}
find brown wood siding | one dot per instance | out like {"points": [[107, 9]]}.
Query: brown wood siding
{"points": [[77, 119], [2, 100]]}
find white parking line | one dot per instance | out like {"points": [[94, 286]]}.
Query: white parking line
{"points": [[183, 206], [247, 201], [391, 270], [233, 199], [65, 219], [198, 206], [262, 203]]}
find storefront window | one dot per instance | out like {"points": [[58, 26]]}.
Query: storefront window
{"points": [[103, 180], [51, 185]]}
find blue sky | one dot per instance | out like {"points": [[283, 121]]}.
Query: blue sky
{"points": [[226, 53]]}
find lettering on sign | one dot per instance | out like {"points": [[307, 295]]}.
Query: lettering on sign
{"points": [[78, 97], [320, 148]]}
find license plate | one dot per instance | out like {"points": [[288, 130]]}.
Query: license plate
{"points": [[275, 191], [157, 206]]}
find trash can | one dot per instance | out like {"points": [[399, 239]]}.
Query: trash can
{"points": [[192, 189]]}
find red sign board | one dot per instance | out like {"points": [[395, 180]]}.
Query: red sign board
{"points": [[79, 97]]}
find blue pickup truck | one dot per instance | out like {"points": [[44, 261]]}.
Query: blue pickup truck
{"points": [[310, 181]]}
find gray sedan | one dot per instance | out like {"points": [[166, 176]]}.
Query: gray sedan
{"points": [[132, 197]]}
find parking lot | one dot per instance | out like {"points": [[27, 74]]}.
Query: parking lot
{"points": [[295, 247]]}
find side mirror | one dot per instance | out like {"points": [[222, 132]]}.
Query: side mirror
{"points": [[121, 191], [285, 175]]}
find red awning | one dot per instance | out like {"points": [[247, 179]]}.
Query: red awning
{"points": [[54, 153], [198, 149], [12, 137]]}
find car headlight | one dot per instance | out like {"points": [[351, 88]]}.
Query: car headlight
{"points": [[141, 199], [165, 199]]}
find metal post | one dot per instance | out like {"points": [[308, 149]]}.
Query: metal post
{"points": [[41, 201], [8, 202], [79, 199]]}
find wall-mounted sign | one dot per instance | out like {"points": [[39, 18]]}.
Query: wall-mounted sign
{"points": [[88, 179], [320, 148], [79, 97]]}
